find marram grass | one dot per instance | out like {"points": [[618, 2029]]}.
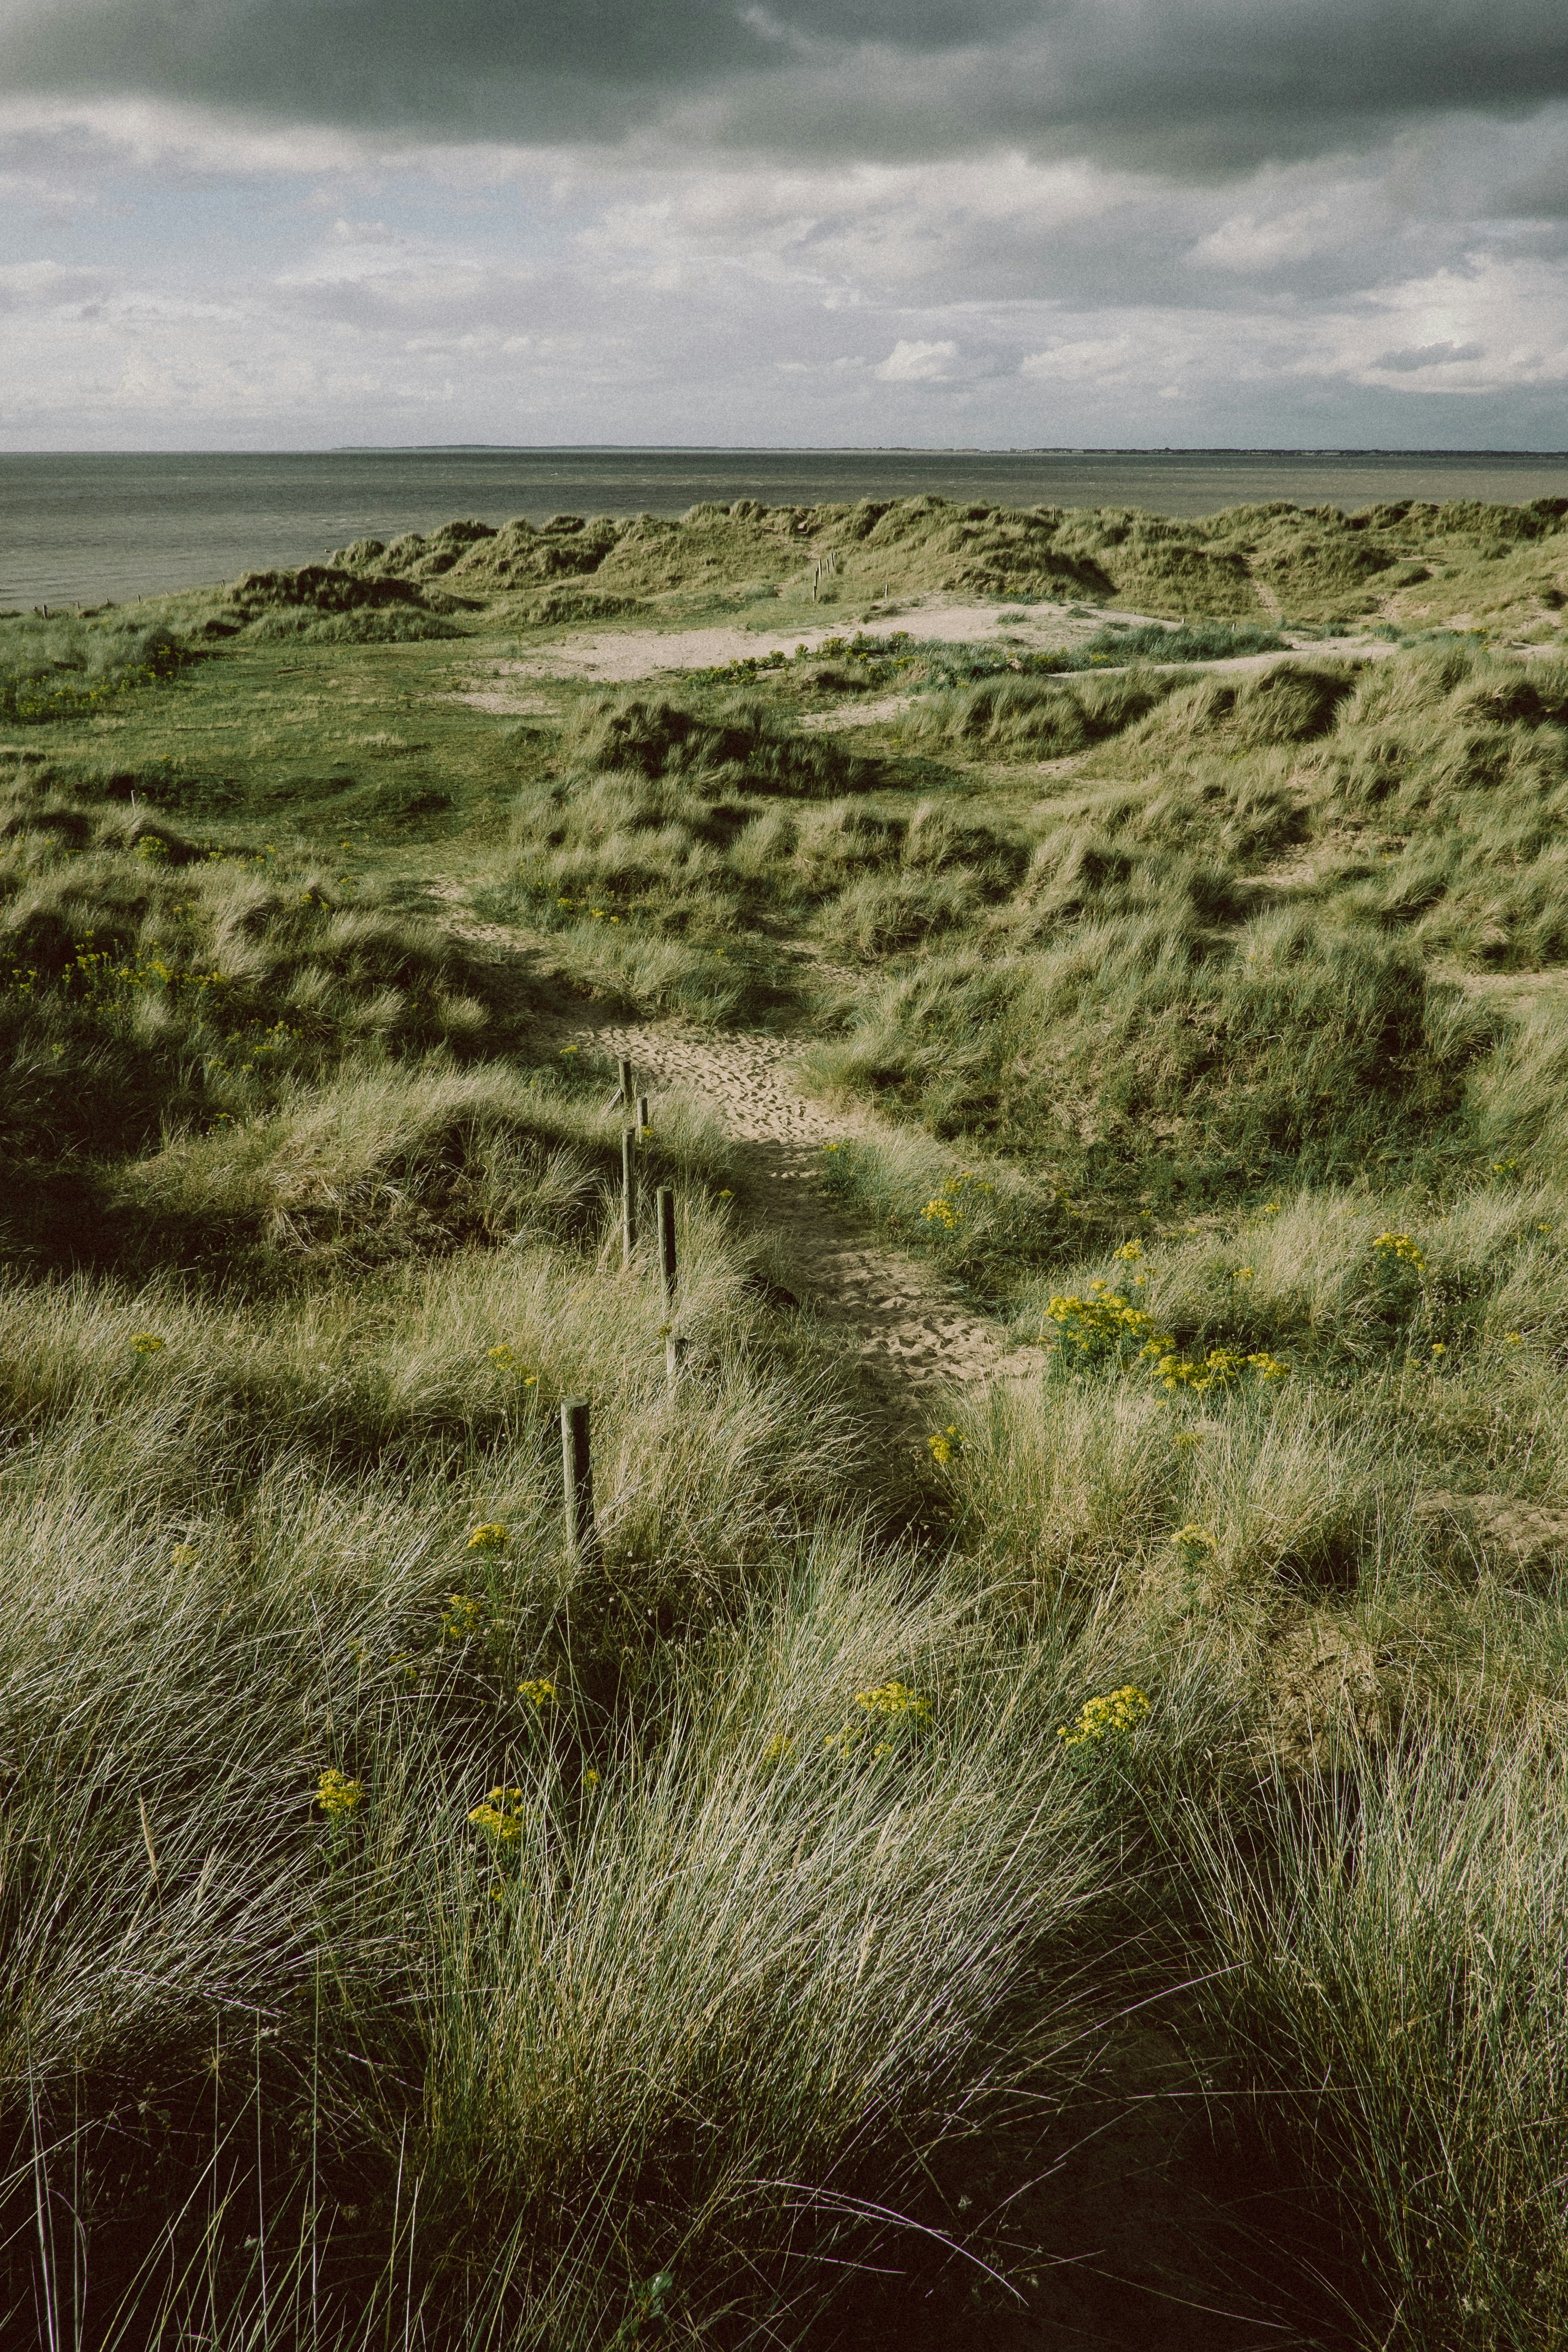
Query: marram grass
{"points": [[419, 1932]]}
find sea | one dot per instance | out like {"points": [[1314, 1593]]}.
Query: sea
{"points": [[82, 529]]}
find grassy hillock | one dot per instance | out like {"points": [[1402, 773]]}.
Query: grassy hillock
{"points": [[1316, 563], [420, 1932]]}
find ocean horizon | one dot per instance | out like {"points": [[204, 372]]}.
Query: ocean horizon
{"points": [[90, 525]]}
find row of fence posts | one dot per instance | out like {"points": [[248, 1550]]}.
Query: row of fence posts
{"points": [[576, 1433]]}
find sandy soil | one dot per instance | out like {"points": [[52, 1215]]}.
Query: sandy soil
{"points": [[913, 1336], [622, 658]]}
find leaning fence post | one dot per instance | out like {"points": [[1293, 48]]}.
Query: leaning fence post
{"points": [[577, 1476], [629, 1193], [625, 1094], [664, 1203]]}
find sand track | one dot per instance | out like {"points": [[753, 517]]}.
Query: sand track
{"points": [[913, 1336], [627, 657]]}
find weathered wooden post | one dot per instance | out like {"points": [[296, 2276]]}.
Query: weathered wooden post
{"points": [[577, 1477], [629, 1193], [643, 1120], [626, 1093], [665, 1204], [674, 1346]]}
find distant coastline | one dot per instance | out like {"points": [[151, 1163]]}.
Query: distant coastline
{"points": [[80, 526]]}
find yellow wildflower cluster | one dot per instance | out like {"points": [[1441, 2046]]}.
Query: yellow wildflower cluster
{"points": [[501, 1816], [894, 1698], [946, 1444], [147, 1343], [541, 1693], [1129, 1250], [1110, 1718], [490, 1537], [1399, 1248], [899, 1709], [505, 1359], [1106, 1320], [93, 970], [780, 1748], [956, 1195], [1196, 1374], [336, 1795], [1195, 1544], [462, 1617], [1102, 1321]]}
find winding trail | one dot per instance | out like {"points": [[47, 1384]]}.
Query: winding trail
{"points": [[914, 1337]]}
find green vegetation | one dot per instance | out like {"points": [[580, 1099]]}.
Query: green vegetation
{"points": [[417, 1932]]}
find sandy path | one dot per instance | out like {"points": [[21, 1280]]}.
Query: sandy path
{"points": [[621, 656], [912, 1334], [627, 657]]}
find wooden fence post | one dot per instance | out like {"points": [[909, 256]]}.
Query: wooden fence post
{"points": [[625, 1096], [665, 1204], [577, 1477], [629, 1193], [643, 1121]]}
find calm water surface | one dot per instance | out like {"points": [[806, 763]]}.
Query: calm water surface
{"points": [[80, 528]]}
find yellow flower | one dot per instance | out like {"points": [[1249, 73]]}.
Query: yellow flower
{"points": [[541, 1693], [1129, 1250], [147, 1343], [947, 1208], [462, 1617], [1242, 1273], [894, 1698], [895, 1703], [185, 1554], [1193, 1542], [501, 1817], [590, 1777], [1402, 1247], [1438, 1348], [337, 1794], [780, 1748], [490, 1537], [946, 1444], [1514, 1339], [1112, 1717]]}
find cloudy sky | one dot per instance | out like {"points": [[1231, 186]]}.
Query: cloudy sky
{"points": [[295, 224]]}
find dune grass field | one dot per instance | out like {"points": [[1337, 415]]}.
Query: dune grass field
{"points": [[1080, 1855]]}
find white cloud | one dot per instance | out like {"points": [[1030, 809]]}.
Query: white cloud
{"points": [[919, 363]]}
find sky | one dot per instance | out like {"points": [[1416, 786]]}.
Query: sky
{"points": [[303, 224]]}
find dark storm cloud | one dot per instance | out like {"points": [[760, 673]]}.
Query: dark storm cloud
{"points": [[1200, 85]]}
